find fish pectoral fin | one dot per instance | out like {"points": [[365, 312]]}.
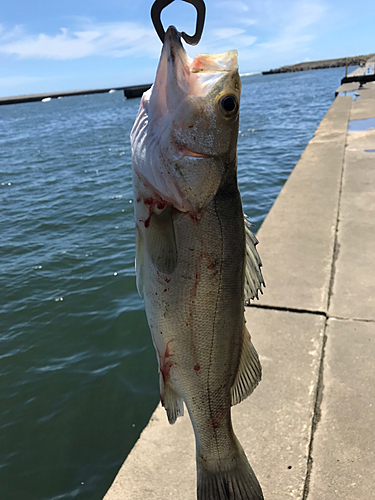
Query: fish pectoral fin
{"points": [[249, 371], [139, 261], [172, 402], [161, 242], [253, 274]]}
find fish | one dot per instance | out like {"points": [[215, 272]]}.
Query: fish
{"points": [[196, 259]]}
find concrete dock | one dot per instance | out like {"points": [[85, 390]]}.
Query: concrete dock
{"points": [[308, 429], [363, 74]]}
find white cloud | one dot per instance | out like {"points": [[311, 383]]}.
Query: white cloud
{"points": [[116, 39], [305, 14], [266, 34], [247, 40], [298, 30], [247, 21], [287, 43], [9, 35], [227, 32], [233, 6]]}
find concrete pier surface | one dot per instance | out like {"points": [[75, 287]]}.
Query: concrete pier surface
{"points": [[308, 429], [363, 74]]}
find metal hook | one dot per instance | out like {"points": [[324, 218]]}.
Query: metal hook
{"points": [[159, 5]]}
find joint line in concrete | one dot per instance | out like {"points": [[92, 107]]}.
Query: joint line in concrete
{"points": [[359, 320], [320, 384], [316, 415], [290, 309], [336, 245]]}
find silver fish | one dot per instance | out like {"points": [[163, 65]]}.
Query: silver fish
{"points": [[196, 261]]}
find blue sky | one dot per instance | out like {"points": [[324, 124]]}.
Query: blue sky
{"points": [[48, 46]]}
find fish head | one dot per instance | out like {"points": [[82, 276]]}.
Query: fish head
{"points": [[192, 113]]}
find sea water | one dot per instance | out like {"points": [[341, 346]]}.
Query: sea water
{"points": [[78, 372]]}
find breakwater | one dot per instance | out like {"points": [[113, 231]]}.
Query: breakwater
{"points": [[129, 92], [323, 64]]}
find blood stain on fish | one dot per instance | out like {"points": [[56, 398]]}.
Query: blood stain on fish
{"points": [[166, 363], [155, 201], [152, 202], [215, 422], [147, 221], [193, 291], [196, 217]]}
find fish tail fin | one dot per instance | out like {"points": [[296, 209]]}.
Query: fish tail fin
{"points": [[234, 481]]}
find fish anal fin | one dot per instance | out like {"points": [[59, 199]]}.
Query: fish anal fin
{"points": [[171, 400], [249, 371]]}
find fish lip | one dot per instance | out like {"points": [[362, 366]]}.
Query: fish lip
{"points": [[186, 151], [172, 35], [172, 42]]}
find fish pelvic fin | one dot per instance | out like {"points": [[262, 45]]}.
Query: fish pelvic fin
{"points": [[172, 402], [249, 371], [161, 241], [139, 258], [253, 274], [232, 480]]}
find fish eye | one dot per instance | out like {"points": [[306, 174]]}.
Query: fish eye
{"points": [[228, 105]]}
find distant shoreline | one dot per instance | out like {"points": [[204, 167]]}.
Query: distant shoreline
{"points": [[326, 63]]}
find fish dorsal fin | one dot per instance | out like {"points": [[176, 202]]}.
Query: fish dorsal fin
{"points": [[249, 370], [253, 274]]}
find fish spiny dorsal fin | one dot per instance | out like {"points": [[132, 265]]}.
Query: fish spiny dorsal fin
{"points": [[253, 274], [249, 371]]}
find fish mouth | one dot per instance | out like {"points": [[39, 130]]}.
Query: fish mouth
{"points": [[192, 154], [172, 37], [176, 53]]}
